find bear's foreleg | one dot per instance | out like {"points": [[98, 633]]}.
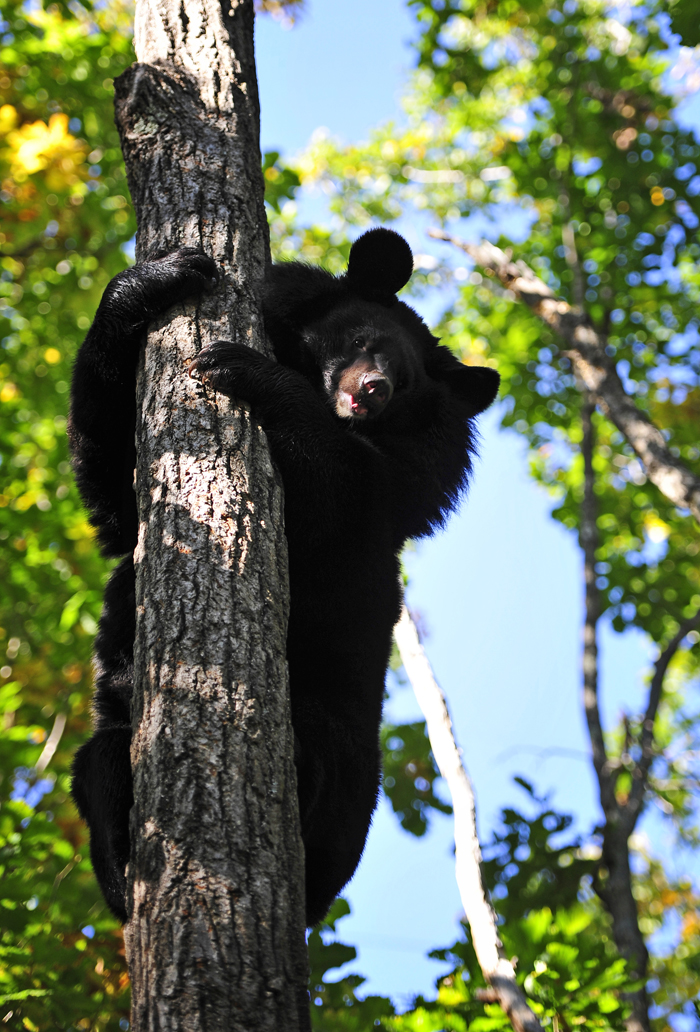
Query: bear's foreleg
{"points": [[103, 407]]}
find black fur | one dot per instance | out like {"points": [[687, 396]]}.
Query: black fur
{"points": [[370, 424]]}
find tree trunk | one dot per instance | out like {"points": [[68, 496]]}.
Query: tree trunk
{"points": [[616, 889], [215, 939], [616, 892]]}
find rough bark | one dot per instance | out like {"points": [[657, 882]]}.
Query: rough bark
{"points": [[215, 939], [497, 969], [586, 350], [616, 887]]}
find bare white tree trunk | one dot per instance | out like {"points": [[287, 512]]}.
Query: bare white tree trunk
{"points": [[497, 969], [215, 939]]}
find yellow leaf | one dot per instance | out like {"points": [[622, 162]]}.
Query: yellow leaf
{"points": [[8, 119], [656, 530], [36, 145]]}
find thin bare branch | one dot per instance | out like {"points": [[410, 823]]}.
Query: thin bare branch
{"points": [[635, 800], [568, 239], [51, 743], [498, 970], [586, 350]]}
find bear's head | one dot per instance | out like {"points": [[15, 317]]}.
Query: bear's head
{"points": [[352, 336]]}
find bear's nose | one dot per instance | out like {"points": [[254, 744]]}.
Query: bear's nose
{"points": [[376, 390], [363, 390]]}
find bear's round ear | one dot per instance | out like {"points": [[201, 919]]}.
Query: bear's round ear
{"points": [[381, 262]]}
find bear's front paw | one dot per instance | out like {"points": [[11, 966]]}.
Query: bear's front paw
{"points": [[142, 293], [228, 367], [220, 353], [184, 273]]}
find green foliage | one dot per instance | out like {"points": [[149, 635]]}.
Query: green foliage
{"points": [[562, 114], [684, 21], [567, 963], [335, 1006], [546, 873], [66, 211], [281, 182], [663, 899], [53, 975]]}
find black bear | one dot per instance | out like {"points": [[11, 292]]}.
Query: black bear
{"points": [[370, 423]]}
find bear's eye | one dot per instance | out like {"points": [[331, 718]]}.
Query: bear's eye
{"points": [[358, 343]]}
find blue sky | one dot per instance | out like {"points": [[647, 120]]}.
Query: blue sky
{"points": [[341, 67], [499, 590]]}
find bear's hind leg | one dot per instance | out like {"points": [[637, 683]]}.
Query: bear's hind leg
{"points": [[102, 789], [338, 793], [327, 872]]}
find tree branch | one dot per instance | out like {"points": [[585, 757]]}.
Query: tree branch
{"points": [[588, 540], [635, 800], [593, 367], [498, 970]]}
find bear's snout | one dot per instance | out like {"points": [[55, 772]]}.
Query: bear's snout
{"points": [[362, 391]]}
